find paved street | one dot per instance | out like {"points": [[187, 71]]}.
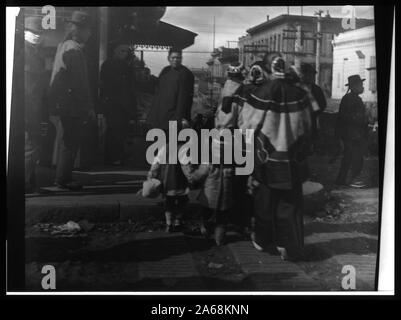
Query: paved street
{"points": [[122, 246]]}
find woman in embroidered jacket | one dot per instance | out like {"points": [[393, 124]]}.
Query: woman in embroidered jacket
{"points": [[280, 114]]}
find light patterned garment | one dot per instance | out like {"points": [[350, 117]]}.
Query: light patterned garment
{"points": [[280, 114]]}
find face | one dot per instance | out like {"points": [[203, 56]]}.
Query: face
{"points": [[121, 52], [358, 88], [84, 33], [175, 59]]}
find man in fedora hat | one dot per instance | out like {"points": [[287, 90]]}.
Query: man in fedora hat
{"points": [[352, 129], [70, 95], [34, 89]]}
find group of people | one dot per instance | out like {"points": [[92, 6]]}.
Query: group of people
{"points": [[69, 98], [282, 105]]}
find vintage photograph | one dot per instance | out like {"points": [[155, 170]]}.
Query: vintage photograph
{"points": [[282, 196]]}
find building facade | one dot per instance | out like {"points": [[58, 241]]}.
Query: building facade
{"points": [[294, 36], [355, 53]]}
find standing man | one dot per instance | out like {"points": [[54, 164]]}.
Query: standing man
{"points": [[352, 129], [118, 101], [174, 95], [70, 95], [307, 76], [34, 90]]}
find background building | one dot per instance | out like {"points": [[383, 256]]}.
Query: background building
{"points": [[295, 36], [354, 53]]}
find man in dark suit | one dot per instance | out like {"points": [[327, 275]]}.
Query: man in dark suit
{"points": [[70, 95], [352, 129]]}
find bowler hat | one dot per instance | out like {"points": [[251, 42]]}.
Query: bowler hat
{"points": [[80, 18], [33, 24], [354, 79]]}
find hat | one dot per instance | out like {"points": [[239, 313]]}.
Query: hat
{"points": [[151, 188], [354, 79], [80, 18], [307, 68], [33, 24], [235, 68], [278, 67]]}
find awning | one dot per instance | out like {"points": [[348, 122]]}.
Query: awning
{"points": [[160, 36]]}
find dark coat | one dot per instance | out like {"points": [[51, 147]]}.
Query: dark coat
{"points": [[34, 86], [352, 120], [116, 83], [173, 98], [69, 90]]}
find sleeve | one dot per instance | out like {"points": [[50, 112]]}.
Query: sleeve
{"points": [[320, 98], [76, 67], [185, 97]]}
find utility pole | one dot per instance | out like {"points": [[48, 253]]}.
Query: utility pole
{"points": [[318, 42], [298, 47], [212, 75]]}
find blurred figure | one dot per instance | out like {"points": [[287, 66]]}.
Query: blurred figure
{"points": [[352, 129], [70, 95], [119, 102], [34, 89], [145, 86]]}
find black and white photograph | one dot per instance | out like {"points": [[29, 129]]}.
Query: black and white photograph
{"points": [[198, 149]]}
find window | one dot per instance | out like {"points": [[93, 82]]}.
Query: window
{"points": [[372, 74], [362, 67]]}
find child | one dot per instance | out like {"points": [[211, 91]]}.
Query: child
{"points": [[175, 187]]}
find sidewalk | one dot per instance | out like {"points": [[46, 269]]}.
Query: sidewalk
{"points": [[115, 256]]}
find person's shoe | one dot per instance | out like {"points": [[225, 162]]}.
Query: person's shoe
{"points": [[340, 184], [256, 246], [35, 190], [177, 223], [204, 231], [283, 253], [72, 186], [169, 228], [357, 184], [219, 233]]}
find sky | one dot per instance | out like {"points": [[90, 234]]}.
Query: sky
{"points": [[230, 24]]}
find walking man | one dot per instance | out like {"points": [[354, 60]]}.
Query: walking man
{"points": [[352, 129], [70, 95]]}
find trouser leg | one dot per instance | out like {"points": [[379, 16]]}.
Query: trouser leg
{"points": [[264, 202], [357, 159], [72, 128], [345, 163], [289, 219], [31, 158]]}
